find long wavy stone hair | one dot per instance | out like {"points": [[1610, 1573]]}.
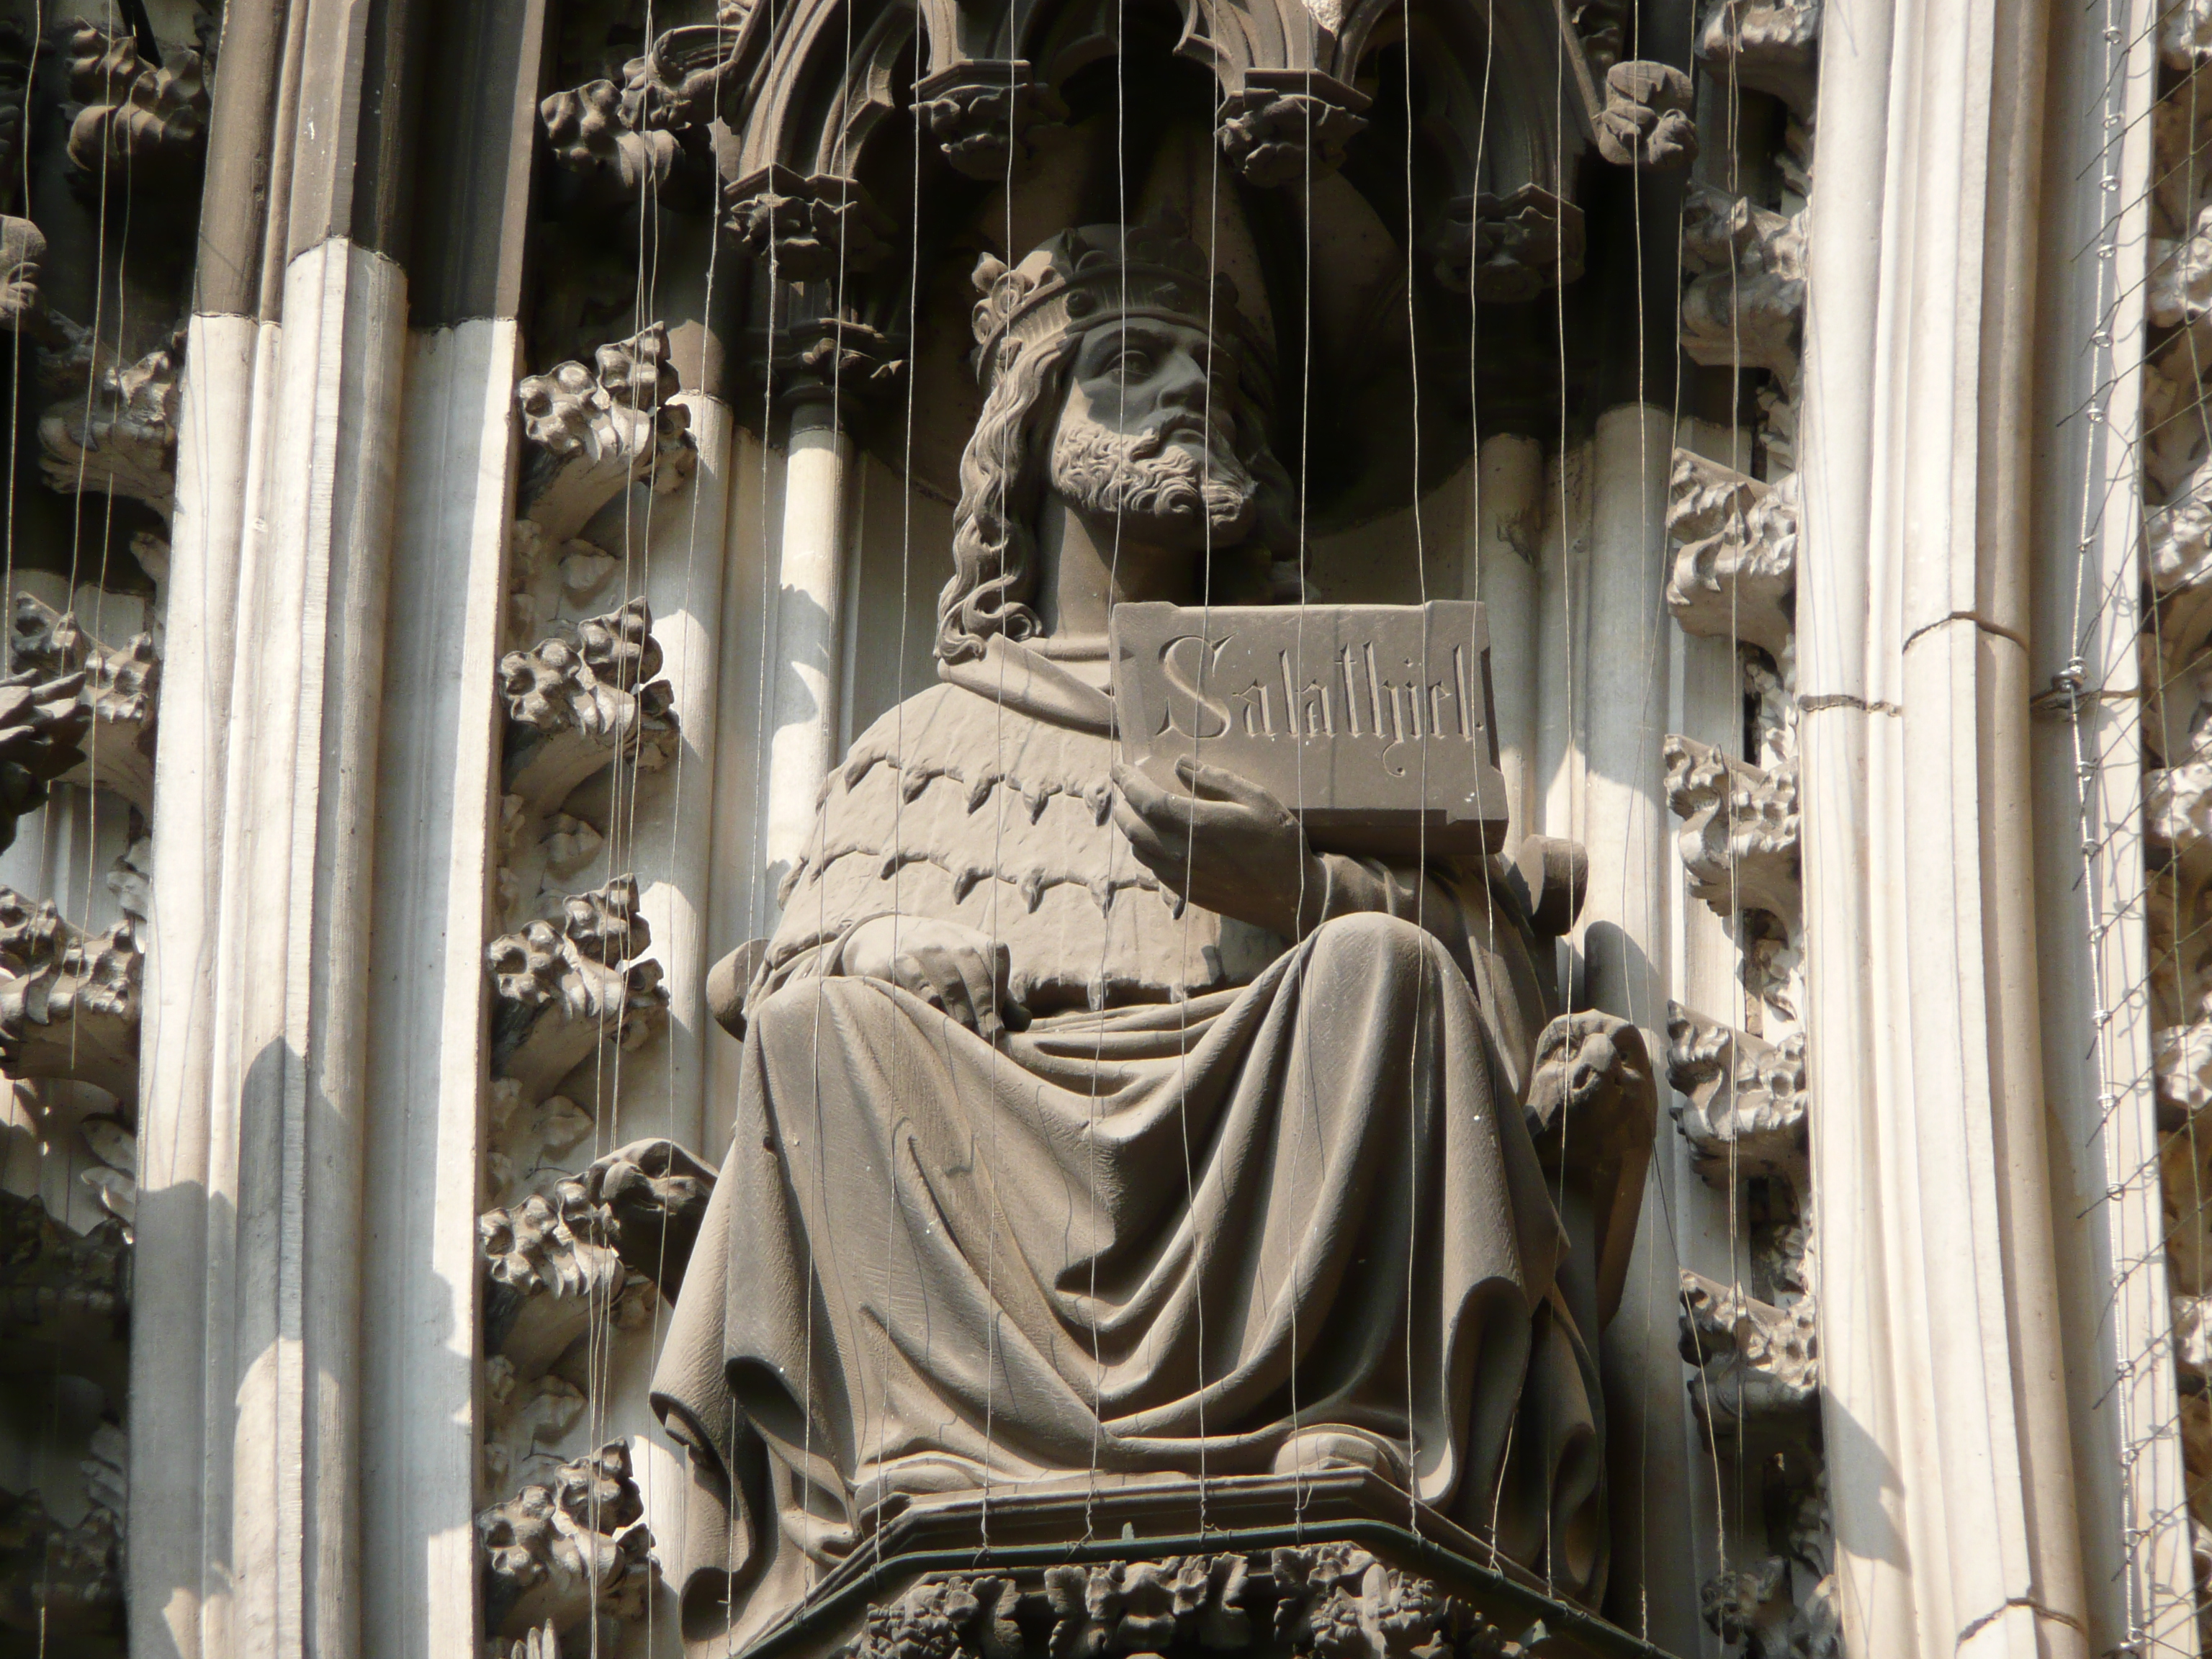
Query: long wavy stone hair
{"points": [[1003, 475]]}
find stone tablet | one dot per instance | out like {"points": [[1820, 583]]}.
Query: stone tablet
{"points": [[1371, 721]]}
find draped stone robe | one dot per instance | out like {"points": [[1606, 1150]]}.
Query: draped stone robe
{"points": [[1220, 1188]]}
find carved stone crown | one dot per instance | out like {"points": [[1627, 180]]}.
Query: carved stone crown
{"points": [[1096, 274]]}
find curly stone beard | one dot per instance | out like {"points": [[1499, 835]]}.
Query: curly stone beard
{"points": [[1157, 490]]}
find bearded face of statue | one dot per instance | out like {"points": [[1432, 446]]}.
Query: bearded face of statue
{"points": [[1146, 442]]}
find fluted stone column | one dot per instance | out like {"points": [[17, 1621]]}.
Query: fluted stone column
{"points": [[1949, 1473], [245, 1386]]}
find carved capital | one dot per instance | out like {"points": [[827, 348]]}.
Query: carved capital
{"points": [[562, 987], [145, 124], [1767, 45], [595, 429], [1286, 126], [581, 699], [1511, 247], [832, 361], [1735, 573], [69, 1000], [119, 687], [1746, 297], [1649, 120], [1743, 1113], [1756, 1361], [565, 1550], [807, 229], [988, 114], [122, 440], [1739, 835]]}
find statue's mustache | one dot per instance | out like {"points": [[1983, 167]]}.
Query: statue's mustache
{"points": [[1149, 474]]}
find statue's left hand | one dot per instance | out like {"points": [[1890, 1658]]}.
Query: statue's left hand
{"points": [[1222, 842]]}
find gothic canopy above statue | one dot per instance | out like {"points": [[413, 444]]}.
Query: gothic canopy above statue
{"points": [[1370, 170]]}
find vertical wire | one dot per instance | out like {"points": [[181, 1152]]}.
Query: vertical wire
{"points": [[1000, 785], [1577, 805], [1298, 930], [1113, 839], [1418, 1050], [763, 779], [892, 1203], [1190, 833], [847, 188]]}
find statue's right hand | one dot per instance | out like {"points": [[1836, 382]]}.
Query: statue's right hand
{"points": [[951, 967]]}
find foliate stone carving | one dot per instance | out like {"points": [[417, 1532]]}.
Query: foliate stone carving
{"points": [[988, 114], [1755, 1361], [1735, 574], [69, 1000], [119, 688], [1743, 1105], [22, 262], [42, 727], [56, 1582], [1286, 126], [596, 428], [58, 1289], [526, 1137], [630, 141], [114, 1180], [832, 359], [567, 1549], [1739, 836], [1770, 705], [519, 1417], [2177, 430], [2179, 288], [565, 986], [582, 698], [1746, 297], [2184, 33], [122, 440], [1602, 27], [1511, 248], [1767, 45], [145, 123], [1756, 1607], [807, 229], [1329, 1599], [553, 1273], [2186, 1168], [1649, 120], [106, 1470]]}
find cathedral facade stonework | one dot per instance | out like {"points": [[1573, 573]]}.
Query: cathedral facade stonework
{"points": [[1106, 829]]}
